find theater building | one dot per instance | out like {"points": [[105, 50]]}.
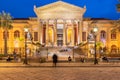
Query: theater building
{"points": [[60, 24]]}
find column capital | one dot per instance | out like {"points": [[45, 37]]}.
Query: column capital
{"points": [[55, 32], [47, 29], [47, 20], [55, 19]]}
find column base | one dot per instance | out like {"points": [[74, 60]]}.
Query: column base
{"points": [[64, 45], [55, 45]]}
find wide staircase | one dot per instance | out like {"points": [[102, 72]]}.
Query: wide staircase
{"points": [[62, 52]]}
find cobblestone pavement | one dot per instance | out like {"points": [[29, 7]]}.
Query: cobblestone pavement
{"points": [[65, 64], [58, 73]]}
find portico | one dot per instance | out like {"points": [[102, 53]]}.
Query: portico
{"points": [[60, 24]]}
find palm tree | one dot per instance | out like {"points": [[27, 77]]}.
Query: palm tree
{"points": [[6, 24], [118, 6], [116, 25]]}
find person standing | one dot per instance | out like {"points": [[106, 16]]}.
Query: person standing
{"points": [[14, 55], [55, 60], [69, 59]]}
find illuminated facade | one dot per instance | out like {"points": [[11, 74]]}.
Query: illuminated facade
{"points": [[59, 24]]}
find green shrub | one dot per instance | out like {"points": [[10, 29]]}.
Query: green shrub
{"points": [[42, 60], [113, 55], [3, 55]]}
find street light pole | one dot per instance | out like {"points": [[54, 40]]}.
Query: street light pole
{"points": [[95, 61], [25, 60], [47, 53], [73, 54], [95, 30]]}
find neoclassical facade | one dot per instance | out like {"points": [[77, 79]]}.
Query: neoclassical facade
{"points": [[60, 24]]}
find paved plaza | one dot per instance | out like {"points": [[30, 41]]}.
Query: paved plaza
{"points": [[60, 73], [63, 71]]}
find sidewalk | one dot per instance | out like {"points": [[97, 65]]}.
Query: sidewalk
{"points": [[63, 64]]}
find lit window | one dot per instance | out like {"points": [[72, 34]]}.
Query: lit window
{"points": [[16, 34], [113, 35], [113, 49], [103, 34]]}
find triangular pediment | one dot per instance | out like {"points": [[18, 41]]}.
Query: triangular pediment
{"points": [[59, 9], [60, 4]]}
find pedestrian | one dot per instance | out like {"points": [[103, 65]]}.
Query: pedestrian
{"points": [[14, 55], [82, 59], [9, 58], [69, 59], [55, 60], [105, 59]]}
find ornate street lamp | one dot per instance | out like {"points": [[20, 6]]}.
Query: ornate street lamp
{"points": [[95, 30], [47, 52], [26, 31], [73, 54]]}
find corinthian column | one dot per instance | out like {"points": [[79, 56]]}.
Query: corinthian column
{"points": [[55, 32], [78, 32], [73, 33], [64, 33], [41, 31], [47, 29], [81, 30]]}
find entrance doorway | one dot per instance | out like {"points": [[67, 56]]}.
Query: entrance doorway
{"points": [[60, 34]]}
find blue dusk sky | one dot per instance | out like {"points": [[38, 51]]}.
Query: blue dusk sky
{"points": [[95, 8]]}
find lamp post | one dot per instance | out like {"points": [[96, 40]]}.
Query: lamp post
{"points": [[47, 53], [25, 60], [95, 30], [73, 54]]}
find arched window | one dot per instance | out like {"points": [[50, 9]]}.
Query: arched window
{"points": [[102, 34], [113, 49], [113, 35], [6, 34], [16, 34]]}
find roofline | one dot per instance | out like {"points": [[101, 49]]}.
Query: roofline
{"points": [[95, 19], [59, 1], [20, 18]]}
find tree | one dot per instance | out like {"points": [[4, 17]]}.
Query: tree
{"points": [[116, 25], [6, 24], [118, 6]]}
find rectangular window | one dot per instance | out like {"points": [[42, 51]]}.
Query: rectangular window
{"points": [[113, 36], [83, 36], [35, 36]]}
